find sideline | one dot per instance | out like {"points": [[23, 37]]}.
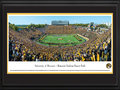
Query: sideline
{"points": [[83, 37]]}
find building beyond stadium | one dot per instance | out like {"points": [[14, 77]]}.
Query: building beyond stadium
{"points": [[60, 23]]}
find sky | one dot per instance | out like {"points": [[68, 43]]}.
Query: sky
{"points": [[26, 20]]}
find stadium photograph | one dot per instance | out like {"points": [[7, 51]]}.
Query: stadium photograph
{"points": [[60, 37]]}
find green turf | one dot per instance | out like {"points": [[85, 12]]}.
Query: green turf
{"points": [[63, 39]]}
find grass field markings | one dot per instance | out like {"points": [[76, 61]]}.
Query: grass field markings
{"points": [[66, 40]]}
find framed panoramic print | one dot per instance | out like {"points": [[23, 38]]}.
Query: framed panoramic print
{"points": [[60, 44]]}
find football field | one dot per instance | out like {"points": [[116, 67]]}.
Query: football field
{"points": [[61, 39]]}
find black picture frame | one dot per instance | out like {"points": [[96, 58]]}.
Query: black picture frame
{"points": [[65, 81]]}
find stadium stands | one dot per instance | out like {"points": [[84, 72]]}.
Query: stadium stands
{"points": [[23, 45]]}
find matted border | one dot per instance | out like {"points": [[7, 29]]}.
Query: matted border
{"points": [[58, 14]]}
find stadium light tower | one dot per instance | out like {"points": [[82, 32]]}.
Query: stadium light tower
{"points": [[92, 26]]}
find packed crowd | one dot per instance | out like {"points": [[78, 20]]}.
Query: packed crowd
{"points": [[22, 48]]}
